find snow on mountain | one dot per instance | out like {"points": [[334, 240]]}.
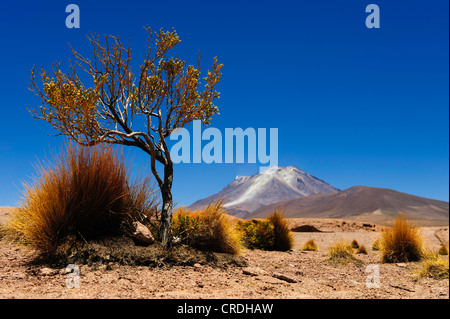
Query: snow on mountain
{"points": [[248, 193]]}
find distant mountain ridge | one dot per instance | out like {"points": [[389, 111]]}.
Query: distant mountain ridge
{"points": [[368, 204], [248, 193]]}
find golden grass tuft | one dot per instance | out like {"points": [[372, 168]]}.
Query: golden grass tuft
{"points": [[257, 234], [376, 245], [84, 193], [362, 250], [403, 242], [208, 229], [433, 266], [342, 253], [284, 240], [443, 250], [272, 233], [310, 245], [355, 244]]}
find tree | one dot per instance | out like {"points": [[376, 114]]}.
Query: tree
{"points": [[121, 108]]}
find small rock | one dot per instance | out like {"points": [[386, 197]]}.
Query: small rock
{"points": [[249, 273], [48, 272], [143, 234], [331, 278], [253, 271], [270, 280], [197, 266], [285, 278], [440, 291], [104, 268]]}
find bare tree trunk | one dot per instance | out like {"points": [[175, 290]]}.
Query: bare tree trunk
{"points": [[166, 212], [166, 219]]}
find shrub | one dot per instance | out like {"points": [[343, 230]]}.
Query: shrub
{"points": [[443, 250], [433, 266], [85, 193], [209, 229], [257, 234], [341, 253], [376, 245], [310, 246], [362, 250], [355, 244], [272, 233], [402, 242], [283, 239], [185, 226]]}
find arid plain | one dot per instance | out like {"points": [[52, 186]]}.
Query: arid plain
{"points": [[266, 274]]}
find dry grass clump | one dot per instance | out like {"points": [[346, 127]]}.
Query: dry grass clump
{"points": [[209, 229], [257, 234], [272, 233], [443, 250], [355, 244], [284, 240], [362, 250], [433, 266], [310, 245], [86, 193], [402, 242], [342, 253], [376, 245]]}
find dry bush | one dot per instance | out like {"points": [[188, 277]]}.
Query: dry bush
{"points": [[85, 194], [443, 250], [141, 204], [272, 233], [185, 226], [433, 266], [283, 240], [362, 250], [402, 242], [376, 245], [310, 245], [257, 234], [355, 244], [342, 253], [209, 229]]}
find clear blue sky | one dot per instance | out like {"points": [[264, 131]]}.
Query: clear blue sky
{"points": [[353, 106]]}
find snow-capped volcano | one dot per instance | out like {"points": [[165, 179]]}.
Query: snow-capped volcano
{"points": [[248, 193]]}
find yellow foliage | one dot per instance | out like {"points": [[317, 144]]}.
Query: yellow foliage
{"points": [[310, 245], [85, 193], [433, 266], [209, 229], [341, 253], [402, 242], [284, 240]]}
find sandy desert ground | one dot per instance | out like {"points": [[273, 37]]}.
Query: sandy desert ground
{"points": [[278, 275]]}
